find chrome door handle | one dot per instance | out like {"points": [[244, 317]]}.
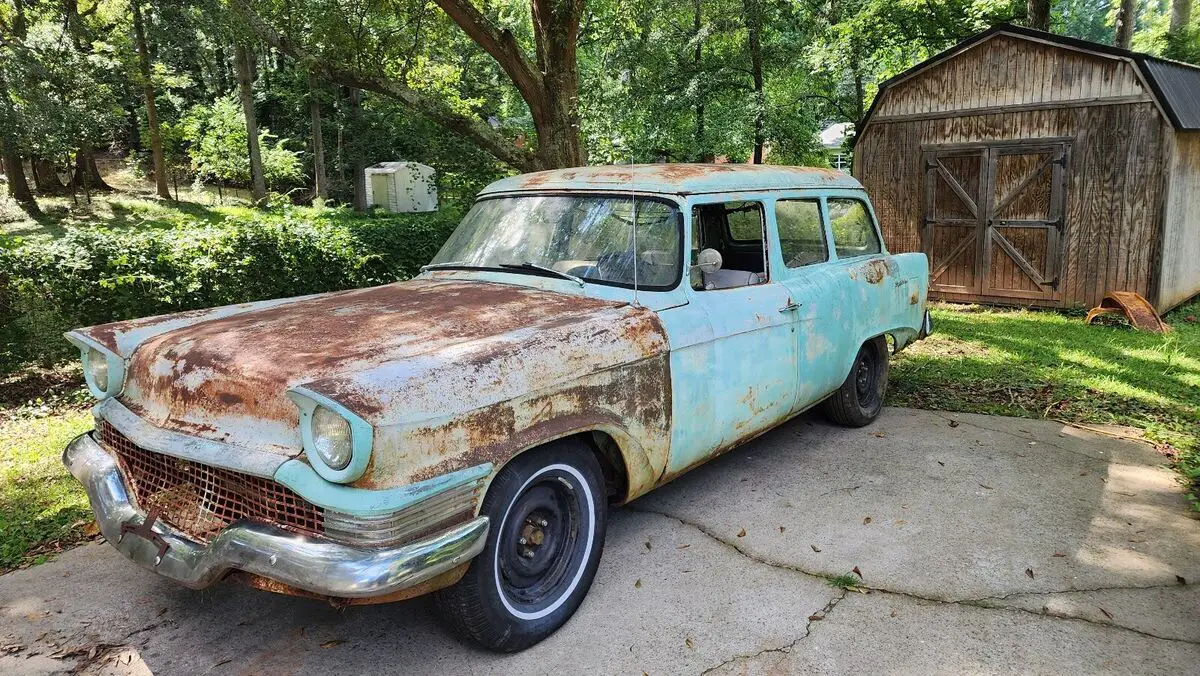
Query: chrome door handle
{"points": [[792, 306]]}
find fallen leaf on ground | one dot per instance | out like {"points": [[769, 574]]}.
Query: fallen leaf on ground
{"points": [[1059, 555], [333, 643], [689, 642], [857, 572], [647, 544], [880, 435], [683, 546], [638, 584], [866, 520], [742, 533], [815, 618], [941, 463], [1029, 572], [815, 548], [987, 487], [781, 529], [893, 613], [953, 423], [1180, 580], [1106, 613]]}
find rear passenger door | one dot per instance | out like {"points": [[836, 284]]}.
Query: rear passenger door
{"points": [[808, 273]]}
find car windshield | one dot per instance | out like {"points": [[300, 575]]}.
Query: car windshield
{"points": [[584, 236]]}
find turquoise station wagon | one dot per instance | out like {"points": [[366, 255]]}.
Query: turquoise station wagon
{"points": [[584, 336]]}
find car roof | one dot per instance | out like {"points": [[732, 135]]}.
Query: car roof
{"points": [[677, 179]]}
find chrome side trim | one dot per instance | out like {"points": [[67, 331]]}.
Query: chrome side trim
{"points": [[179, 445], [318, 566]]}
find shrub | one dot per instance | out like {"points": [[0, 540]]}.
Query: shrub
{"points": [[95, 275]]}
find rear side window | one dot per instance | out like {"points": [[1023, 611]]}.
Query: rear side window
{"points": [[801, 235], [853, 230]]}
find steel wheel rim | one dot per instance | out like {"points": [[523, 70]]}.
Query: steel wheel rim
{"points": [[538, 544], [866, 377]]}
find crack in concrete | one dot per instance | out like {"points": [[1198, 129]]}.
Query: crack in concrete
{"points": [[784, 649], [980, 603]]}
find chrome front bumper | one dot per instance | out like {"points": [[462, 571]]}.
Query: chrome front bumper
{"points": [[318, 566]]}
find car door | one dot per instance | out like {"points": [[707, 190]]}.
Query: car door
{"points": [[809, 274], [746, 369]]}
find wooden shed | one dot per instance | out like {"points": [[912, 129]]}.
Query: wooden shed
{"points": [[1036, 169]]}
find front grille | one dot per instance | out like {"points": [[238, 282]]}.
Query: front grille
{"points": [[199, 500]]}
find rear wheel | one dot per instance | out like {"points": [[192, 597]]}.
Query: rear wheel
{"points": [[859, 400], [548, 517]]}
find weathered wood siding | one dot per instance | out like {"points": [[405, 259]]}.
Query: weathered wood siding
{"points": [[1115, 175], [1007, 71], [1180, 274]]}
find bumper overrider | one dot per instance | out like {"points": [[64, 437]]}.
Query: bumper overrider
{"points": [[311, 564]]}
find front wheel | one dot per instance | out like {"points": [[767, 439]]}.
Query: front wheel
{"points": [[548, 516], [859, 400]]}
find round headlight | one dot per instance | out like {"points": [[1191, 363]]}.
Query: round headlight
{"points": [[97, 369], [331, 438]]}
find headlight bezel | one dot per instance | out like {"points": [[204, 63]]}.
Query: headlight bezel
{"points": [[361, 436], [114, 364]]}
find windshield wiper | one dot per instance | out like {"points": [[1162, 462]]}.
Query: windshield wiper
{"points": [[447, 265], [534, 266]]}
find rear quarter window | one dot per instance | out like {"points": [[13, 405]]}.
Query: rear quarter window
{"points": [[853, 230]]}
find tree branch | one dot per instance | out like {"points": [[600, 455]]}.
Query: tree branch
{"points": [[500, 45], [473, 129]]}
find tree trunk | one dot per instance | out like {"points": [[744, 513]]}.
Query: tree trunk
{"points": [[357, 161], [86, 171], [258, 183], [700, 154], [320, 181], [18, 187], [754, 30], [1181, 16], [1126, 17], [156, 147], [1037, 14], [45, 177]]}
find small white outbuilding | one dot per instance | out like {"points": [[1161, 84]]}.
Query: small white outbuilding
{"points": [[401, 187]]}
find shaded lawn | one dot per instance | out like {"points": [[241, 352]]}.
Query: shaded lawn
{"points": [[42, 508], [1050, 365]]}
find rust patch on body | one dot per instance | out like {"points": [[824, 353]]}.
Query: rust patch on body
{"points": [[1137, 309], [195, 377], [875, 271], [433, 584]]}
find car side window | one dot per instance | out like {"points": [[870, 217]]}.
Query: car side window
{"points": [[801, 234], [728, 248], [853, 230], [745, 221]]}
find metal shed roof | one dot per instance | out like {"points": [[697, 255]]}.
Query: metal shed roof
{"points": [[677, 179], [1175, 85]]}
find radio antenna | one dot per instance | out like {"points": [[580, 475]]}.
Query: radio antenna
{"points": [[633, 198]]}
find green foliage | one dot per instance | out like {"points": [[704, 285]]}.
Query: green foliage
{"points": [[843, 581], [93, 275], [219, 143], [42, 508]]}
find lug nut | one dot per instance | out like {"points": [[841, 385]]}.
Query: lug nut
{"points": [[523, 541], [527, 554], [543, 523]]}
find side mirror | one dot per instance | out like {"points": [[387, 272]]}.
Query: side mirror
{"points": [[709, 261]]}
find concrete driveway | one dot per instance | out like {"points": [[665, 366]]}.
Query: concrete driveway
{"points": [[984, 544]]}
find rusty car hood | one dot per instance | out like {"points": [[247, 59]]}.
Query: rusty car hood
{"points": [[224, 376]]}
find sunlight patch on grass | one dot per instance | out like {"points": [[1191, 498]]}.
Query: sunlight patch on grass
{"points": [[42, 507]]}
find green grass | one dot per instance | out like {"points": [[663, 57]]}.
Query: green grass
{"points": [[42, 508], [844, 581], [1052, 365]]}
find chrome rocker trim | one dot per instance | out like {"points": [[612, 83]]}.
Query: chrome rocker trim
{"points": [[318, 566]]}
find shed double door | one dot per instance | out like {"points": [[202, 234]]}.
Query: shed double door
{"points": [[993, 219]]}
